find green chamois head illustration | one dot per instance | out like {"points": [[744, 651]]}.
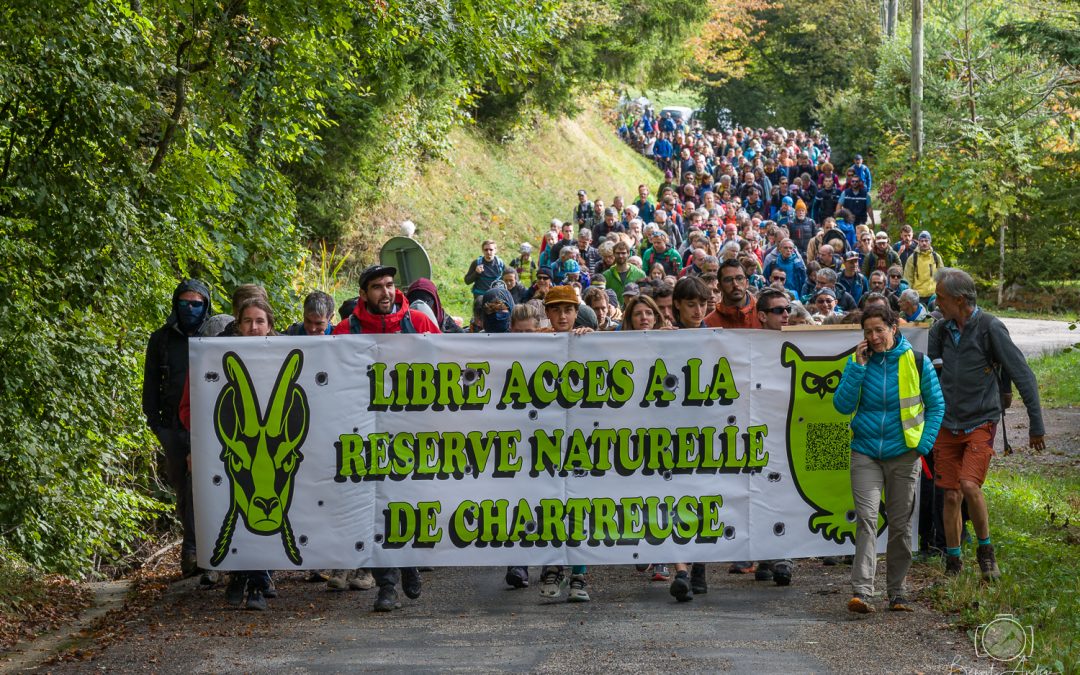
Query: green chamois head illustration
{"points": [[819, 442], [261, 451]]}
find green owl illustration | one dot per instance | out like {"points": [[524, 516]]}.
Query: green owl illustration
{"points": [[819, 442]]}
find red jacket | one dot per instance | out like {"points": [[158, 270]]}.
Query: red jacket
{"points": [[734, 317], [388, 323]]}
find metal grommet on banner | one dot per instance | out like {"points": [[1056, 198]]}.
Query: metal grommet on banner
{"points": [[850, 515], [212, 376], [378, 539], [322, 378], [468, 376], [216, 480], [778, 529], [671, 383], [774, 477], [533, 415], [729, 532], [731, 419], [578, 472], [666, 474], [359, 546], [302, 539]]}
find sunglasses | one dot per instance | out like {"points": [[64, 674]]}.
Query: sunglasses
{"points": [[779, 278], [195, 304], [543, 278], [786, 309], [894, 276]]}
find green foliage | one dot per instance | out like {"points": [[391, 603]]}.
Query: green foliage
{"points": [[999, 149], [1033, 522], [1056, 373], [803, 54]]}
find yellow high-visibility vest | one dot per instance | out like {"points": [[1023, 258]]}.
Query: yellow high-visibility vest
{"points": [[912, 410]]}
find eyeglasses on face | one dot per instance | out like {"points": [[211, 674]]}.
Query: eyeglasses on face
{"points": [[786, 309], [736, 280]]}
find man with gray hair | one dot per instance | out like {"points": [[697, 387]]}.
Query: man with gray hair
{"points": [[911, 310], [978, 362]]}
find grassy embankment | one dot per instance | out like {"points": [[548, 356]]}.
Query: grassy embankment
{"points": [[506, 192], [1035, 525]]}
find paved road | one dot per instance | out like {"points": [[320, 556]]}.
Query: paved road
{"points": [[1035, 337], [467, 620]]}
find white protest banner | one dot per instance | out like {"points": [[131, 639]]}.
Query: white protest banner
{"points": [[396, 450]]}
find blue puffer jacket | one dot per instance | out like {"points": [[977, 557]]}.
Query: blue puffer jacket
{"points": [[872, 393]]}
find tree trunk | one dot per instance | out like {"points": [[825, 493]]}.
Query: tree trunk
{"points": [[916, 77], [890, 17], [1001, 262]]}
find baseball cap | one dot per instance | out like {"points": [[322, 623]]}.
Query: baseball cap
{"points": [[571, 267], [582, 193], [858, 156], [882, 235], [631, 289], [526, 248], [374, 272], [544, 270], [825, 291], [561, 295], [924, 235], [851, 255]]}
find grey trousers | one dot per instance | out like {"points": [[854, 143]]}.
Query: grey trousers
{"points": [[898, 477]]}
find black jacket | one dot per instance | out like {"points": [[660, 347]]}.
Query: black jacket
{"points": [[166, 367]]}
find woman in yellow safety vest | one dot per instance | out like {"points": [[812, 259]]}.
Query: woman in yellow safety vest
{"points": [[897, 407]]}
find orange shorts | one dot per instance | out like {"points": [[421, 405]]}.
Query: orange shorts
{"points": [[963, 456]]}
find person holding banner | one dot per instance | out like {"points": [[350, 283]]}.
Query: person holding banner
{"points": [[383, 309], [897, 406]]}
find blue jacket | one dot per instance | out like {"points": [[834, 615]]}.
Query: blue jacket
{"points": [[872, 393]]}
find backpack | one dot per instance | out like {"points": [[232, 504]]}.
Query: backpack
{"points": [[356, 328]]}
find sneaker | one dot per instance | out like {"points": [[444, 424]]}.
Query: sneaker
{"points": [[552, 583], [517, 577], [256, 600], [578, 589], [234, 592], [338, 581], [900, 604], [209, 578], [741, 567], [387, 600], [661, 573], [189, 564], [858, 604], [781, 572], [764, 572], [361, 580], [271, 590], [697, 579], [411, 582], [954, 564], [830, 561], [316, 577], [987, 562], [680, 588]]}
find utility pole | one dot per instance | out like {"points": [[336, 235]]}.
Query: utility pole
{"points": [[916, 77]]}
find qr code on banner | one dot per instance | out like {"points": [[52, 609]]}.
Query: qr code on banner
{"points": [[828, 447]]}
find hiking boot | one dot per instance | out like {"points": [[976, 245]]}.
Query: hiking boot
{"points": [[271, 590], [338, 581], [552, 582], [781, 572], [830, 561], [954, 564], [661, 573], [316, 577], [987, 562], [860, 604], [361, 580], [189, 564], [387, 600], [517, 577], [764, 572], [900, 604], [209, 578], [578, 589], [697, 579], [741, 567], [256, 600], [234, 592], [680, 588], [411, 582]]}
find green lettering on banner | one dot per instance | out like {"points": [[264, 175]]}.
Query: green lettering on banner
{"points": [[461, 534], [723, 385], [378, 397], [516, 390], [573, 373], [428, 534], [552, 527], [544, 383], [450, 395], [577, 454], [399, 524], [509, 461], [756, 455], [477, 394], [712, 528], [633, 520], [421, 385], [547, 452], [658, 392], [695, 395], [605, 528], [350, 458], [519, 530], [621, 383], [427, 453]]}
